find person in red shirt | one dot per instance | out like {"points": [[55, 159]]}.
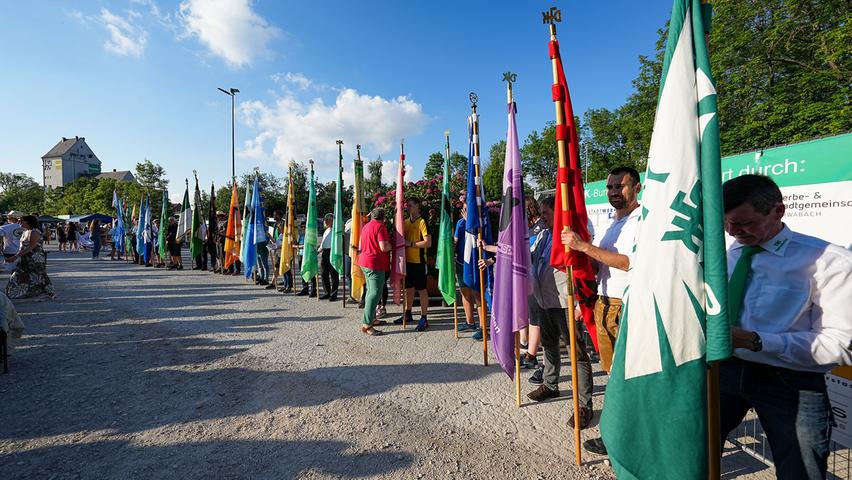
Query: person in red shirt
{"points": [[374, 261]]}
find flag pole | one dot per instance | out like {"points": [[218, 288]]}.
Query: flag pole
{"points": [[455, 300], [714, 422], [550, 18], [483, 309], [402, 281], [510, 77], [342, 232]]}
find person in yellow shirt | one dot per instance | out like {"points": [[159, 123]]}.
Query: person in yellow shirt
{"points": [[417, 240]]}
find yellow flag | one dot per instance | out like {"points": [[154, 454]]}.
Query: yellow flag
{"points": [[289, 234], [358, 279]]}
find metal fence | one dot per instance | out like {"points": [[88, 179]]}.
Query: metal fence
{"points": [[749, 438]]}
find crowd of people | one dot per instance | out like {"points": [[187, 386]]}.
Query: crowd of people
{"points": [[789, 298]]}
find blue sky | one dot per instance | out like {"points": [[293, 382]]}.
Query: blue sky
{"points": [[138, 78]]}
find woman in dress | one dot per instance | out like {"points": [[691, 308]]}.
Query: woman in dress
{"points": [[60, 235], [71, 235], [30, 276]]}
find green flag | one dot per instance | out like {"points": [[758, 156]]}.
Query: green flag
{"points": [[185, 219], [309, 255], [654, 422], [445, 261], [164, 225], [336, 254], [196, 242]]}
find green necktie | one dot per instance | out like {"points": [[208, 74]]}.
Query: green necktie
{"points": [[737, 283]]}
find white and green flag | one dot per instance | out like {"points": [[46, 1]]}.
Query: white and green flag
{"points": [[674, 319]]}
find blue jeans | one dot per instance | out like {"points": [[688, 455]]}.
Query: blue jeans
{"points": [[793, 409]]}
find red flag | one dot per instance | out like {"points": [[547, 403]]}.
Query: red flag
{"points": [[570, 179]]}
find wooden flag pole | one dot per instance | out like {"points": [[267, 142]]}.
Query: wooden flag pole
{"points": [[510, 78], [342, 232], [455, 298], [551, 17], [402, 280], [714, 422], [483, 309]]}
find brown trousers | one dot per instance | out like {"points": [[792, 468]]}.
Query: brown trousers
{"points": [[607, 315]]}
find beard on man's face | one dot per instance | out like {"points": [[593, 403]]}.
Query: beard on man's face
{"points": [[617, 201]]}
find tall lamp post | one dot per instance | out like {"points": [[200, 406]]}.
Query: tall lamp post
{"points": [[231, 92]]}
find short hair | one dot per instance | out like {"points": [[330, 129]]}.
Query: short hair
{"points": [[30, 220], [630, 171], [414, 200], [377, 214], [549, 200], [328, 217], [759, 191]]}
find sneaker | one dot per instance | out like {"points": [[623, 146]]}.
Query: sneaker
{"points": [[464, 327], [423, 324], [537, 378], [408, 318], [528, 361], [595, 445], [478, 335], [542, 393]]}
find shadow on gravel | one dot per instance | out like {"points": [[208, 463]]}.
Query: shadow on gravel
{"points": [[205, 460]]}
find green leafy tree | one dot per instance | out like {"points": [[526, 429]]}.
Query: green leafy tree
{"points": [[151, 176], [373, 185], [492, 177], [20, 192]]}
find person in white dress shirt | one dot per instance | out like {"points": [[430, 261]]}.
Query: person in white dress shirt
{"points": [[792, 325]]}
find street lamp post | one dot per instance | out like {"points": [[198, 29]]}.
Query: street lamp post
{"points": [[232, 92]]}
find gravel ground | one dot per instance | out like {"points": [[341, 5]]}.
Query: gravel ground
{"points": [[144, 373]]}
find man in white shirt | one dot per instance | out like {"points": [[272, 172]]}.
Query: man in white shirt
{"points": [[330, 277], [612, 259], [11, 233], [789, 300]]}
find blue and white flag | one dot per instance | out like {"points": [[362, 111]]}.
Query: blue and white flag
{"points": [[476, 220]]}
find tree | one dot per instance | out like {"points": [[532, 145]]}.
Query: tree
{"points": [[92, 195], [492, 177], [20, 192], [151, 176], [373, 185], [540, 156]]}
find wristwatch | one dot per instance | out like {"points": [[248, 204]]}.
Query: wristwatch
{"points": [[756, 343]]}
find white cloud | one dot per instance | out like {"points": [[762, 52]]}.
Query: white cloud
{"points": [[390, 169], [228, 28], [308, 129], [126, 38], [298, 80]]}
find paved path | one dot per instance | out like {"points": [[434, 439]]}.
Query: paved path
{"points": [[144, 373]]}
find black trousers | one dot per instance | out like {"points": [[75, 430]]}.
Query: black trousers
{"points": [[330, 278]]}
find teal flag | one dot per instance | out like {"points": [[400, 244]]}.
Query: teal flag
{"points": [[196, 242], [654, 422], [445, 258], [246, 223], [164, 226], [336, 254], [309, 255]]}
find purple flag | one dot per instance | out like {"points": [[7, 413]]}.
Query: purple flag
{"points": [[509, 311]]}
